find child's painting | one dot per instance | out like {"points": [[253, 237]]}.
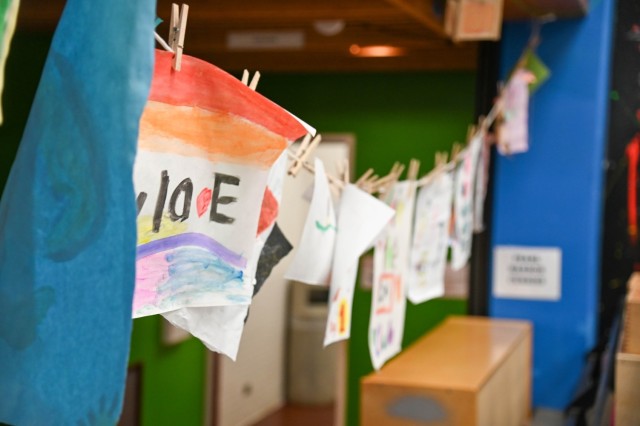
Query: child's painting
{"points": [[220, 328], [361, 218], [390, 267], [463, 197], [206, 145], [513, 131], [430, 244], [314, 254]]}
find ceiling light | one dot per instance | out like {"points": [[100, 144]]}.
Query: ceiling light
{"points": [[376, 51], [329, 27]]}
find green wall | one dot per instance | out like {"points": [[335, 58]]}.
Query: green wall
{"points": [[22, 74], [173, 377], [395, 117]]}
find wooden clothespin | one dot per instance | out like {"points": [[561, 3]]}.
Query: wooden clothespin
{"points": [[441, 158], [254, 81], [414, 169], [471, 131], [345, 171], [177, 30], [362, 179], [306, 148], [455, 150], [386, 182], [368, 181]]}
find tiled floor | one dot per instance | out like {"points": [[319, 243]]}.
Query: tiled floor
{"points": [[294, 415]]}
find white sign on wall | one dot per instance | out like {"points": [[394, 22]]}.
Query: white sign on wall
{"points": [[527, 272]]}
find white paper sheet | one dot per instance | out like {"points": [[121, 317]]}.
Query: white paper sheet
{"points": [[513, 134], [430, 239], [361, 218], [314, 254], [220, 327], [390, 268], [205, 147], [464, 186]]}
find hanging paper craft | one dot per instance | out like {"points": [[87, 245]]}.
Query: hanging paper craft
{"points": [[430, 239], [314, 254], [481, 182], [220, 327], [463, 204], [206, 145], [8, 16], [390, 267], [361, 218], [67, 233], [513, 132]]}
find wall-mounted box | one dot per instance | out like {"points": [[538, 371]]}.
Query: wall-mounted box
{"points": [[468, 371]]}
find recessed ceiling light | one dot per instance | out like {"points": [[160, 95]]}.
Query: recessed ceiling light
{"points": [[329, 27], [376, 51]]}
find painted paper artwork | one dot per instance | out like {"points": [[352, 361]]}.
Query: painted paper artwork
{"points": [[314, 254], [513, 132], [361, 218], [390, 270], [67, 222], [8, 17], [463, 197], [428, 258], [205, 148], [220, 327]]}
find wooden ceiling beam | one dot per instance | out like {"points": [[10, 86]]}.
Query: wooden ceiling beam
{"points": [[421, 11], [515, 10], [277, 11], [421, 60]]}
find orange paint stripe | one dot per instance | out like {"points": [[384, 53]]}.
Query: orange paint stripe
{"points": [[201, 84], [194, 132]]}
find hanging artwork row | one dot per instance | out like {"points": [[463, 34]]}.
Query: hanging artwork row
{"points": [[212, 155]]}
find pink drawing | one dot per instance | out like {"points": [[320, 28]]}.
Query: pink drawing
{"points": [[203, 201]]}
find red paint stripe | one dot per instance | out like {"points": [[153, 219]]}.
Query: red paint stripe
{"points": [[199, 83], [268, 212], [633, 152]]}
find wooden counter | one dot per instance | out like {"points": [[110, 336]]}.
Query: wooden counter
{"points": [[468, 371]]}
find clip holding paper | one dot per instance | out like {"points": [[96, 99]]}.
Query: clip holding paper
{"points": [[343, 170], [254, 81], [414, 169], [177, 30], [306, 148]]}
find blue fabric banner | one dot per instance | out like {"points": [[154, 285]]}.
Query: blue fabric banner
{"points": [[68, 218]]}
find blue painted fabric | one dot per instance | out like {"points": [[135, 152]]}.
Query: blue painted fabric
{"points": [[68, 218]]}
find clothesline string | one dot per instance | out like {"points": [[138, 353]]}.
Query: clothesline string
{"points": [[483, 126]]}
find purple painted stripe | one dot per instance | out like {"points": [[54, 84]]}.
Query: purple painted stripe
{"points": [[192, 239]]}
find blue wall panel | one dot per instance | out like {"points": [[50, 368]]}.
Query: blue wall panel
{"points": [[552, 195]]}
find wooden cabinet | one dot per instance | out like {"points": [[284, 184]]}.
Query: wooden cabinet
{"points": [[627, 392], [468, 371]]}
